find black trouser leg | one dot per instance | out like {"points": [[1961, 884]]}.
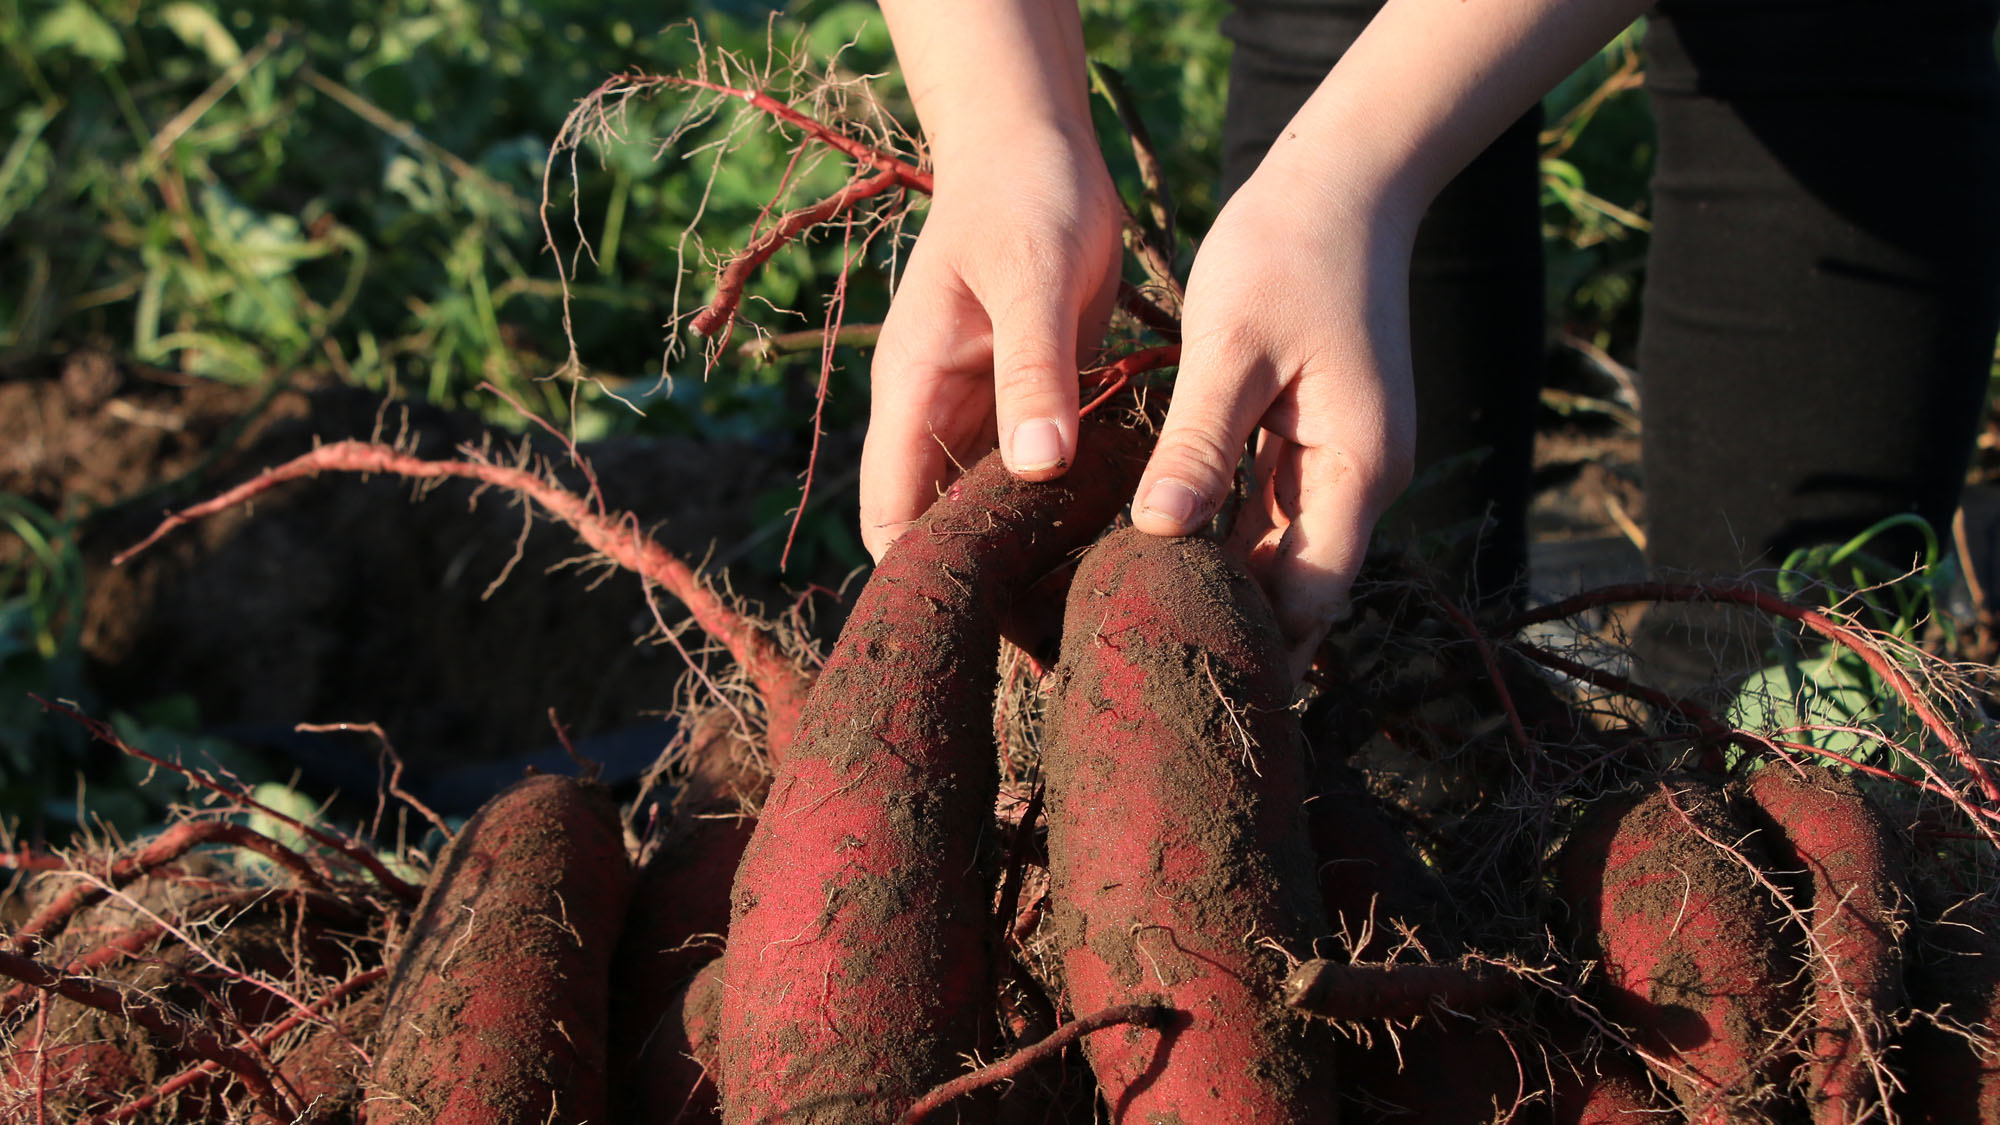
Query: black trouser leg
{"points": [[1821, 293], [1820, 303]]}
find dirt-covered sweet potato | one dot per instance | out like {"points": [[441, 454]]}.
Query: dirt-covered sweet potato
{"points": [[857, 971], [497, 1004], [1692, 952], [1182, 872]]}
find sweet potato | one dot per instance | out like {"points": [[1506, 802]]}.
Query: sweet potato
{"points": [[1823, 827], [1596, 1085], [1181, 868], [496, 1007], [1690, 945], [324, 1069], [857, 965], [677, 1084]]}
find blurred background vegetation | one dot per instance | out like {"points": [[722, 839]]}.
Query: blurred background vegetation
{"points": [[238, 191]]}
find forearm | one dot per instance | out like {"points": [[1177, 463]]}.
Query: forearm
{"points": [[1427, 85], [982, 72]]}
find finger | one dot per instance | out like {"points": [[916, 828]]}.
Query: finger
{"points": [[1213, 411], [1035, 379], [928, 403], [1335, 499]]}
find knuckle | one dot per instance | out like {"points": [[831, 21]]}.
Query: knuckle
{"points": [[1199, 457], [1030, 380]]}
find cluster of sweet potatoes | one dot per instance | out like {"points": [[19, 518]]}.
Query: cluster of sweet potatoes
{"points": [[1200, 914]]}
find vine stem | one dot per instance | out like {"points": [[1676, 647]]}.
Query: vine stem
{"points": [[1845, 636], [162, 849]]}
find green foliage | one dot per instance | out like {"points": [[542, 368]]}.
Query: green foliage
{"points": [[41, 613], [1827, 696], [1176, 64], [1597, 163], [235, 189]]}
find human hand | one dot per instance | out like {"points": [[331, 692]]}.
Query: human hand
{"points": [[1016, 268], [1296, 327]]}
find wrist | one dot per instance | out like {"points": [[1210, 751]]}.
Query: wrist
{"points": [[1019, 147], [1332, 191], [985, 75]]}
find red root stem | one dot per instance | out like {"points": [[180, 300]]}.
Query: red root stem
{"points": [[1116, 376], [207, 1069], [180, 1035], [907, 174], [729, 282], [361, 856]]}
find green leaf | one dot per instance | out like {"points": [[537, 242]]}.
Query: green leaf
{"points": [[77, 28], [198, 28]]}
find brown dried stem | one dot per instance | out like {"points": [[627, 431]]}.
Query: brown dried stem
{"points": [[393, 786], [162, 849], [766, 349], [1143, 1015], [1355, 992]]}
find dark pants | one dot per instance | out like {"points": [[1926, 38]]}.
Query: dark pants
{"points": [[1822, 289]]}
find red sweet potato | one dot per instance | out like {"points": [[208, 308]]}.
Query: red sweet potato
{"points": [[1177, 842], [857, 967], [1692, 958], [497, 997], [75, 1077], [678, 1083], [324, 1069], [1822, 826], [1601, 1086]]}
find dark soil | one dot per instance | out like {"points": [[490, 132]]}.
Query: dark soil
{"points": [[343, 599]]}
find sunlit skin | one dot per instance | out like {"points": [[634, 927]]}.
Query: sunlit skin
{"points": [[1296, 322]]}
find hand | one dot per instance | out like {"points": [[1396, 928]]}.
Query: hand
{"points": [[1015, 270], [1296, 327]]}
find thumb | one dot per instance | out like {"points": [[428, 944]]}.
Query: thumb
{"points": [[1200, 446], [1035, 382]]}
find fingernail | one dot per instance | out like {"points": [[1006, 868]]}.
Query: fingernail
{"points": [[1036, 445], [1172, 501]]}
